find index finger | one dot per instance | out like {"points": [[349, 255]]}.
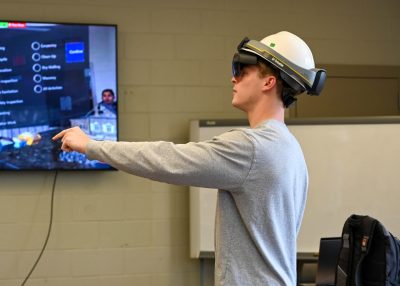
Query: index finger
{"points": [[59, 135]]}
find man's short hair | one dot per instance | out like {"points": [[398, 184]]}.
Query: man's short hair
{"points": [[266, 69]]}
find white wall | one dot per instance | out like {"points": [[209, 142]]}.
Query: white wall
{"points": [[174, 65]]}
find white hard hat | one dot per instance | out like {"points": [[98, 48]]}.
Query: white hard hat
{"points": [[291, 47], [287, 53]]}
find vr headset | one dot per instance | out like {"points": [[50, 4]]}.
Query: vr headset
{"points": [[249, 52]]}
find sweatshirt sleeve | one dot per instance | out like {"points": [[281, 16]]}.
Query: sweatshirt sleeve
{"points": [[223, 162]]}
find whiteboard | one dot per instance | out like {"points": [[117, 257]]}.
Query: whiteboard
{"points": [[353, 166]]}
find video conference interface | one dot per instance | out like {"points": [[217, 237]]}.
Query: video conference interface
{"points": [[52, 77]]}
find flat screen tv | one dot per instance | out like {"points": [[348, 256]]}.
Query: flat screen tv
{"points": [[55, 76]]}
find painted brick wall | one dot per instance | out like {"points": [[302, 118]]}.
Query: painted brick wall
{"points": [[174, 66]]}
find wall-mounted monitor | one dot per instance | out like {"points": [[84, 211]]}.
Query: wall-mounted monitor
{"points": [[55, 76]]}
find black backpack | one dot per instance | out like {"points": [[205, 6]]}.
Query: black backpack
{"points": [[369, 256]]}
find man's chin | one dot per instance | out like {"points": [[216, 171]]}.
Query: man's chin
{"points": [[238, 106]]}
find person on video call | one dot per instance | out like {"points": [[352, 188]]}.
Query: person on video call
{"points": [[260, 171], [107, 101]]}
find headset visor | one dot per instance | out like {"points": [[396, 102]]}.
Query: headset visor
{"points": [[241, 60]]}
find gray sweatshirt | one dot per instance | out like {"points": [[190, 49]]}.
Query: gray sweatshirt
{"points": [[262, 180]]}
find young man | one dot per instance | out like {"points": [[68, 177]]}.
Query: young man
{"points": [[260, 171]]}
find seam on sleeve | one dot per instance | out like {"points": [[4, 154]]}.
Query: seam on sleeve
{"points": [[252, 159]]}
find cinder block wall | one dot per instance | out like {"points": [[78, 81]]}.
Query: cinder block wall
{"points": [[174, 66]]}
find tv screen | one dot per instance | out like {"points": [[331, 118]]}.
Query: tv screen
{"points": [[55, 76]]}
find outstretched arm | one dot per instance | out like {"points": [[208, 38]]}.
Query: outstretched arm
{"points": [[223, 162]]}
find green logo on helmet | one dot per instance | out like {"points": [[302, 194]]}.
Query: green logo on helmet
{"points": [[272, 45]]}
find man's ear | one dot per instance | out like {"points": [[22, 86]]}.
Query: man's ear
{"points": [[269, 82]]}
